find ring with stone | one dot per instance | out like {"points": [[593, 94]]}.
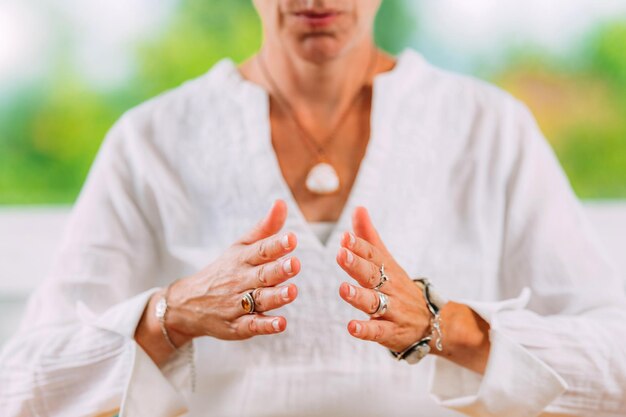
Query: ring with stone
{"points": [[247, 302], [383, 304], [383, 277]]}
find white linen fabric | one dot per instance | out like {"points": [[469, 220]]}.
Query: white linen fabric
{"points": [[322, 230], [463, 189]]}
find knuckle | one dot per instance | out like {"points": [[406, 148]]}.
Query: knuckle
{"points": [[252, 325], [240, 257], [259, 301], [260, 273], [373, 280], [238, 330], [378, 332], [261, 250], [232, 330]]}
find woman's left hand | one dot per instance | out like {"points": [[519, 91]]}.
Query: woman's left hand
{"points": [[407, 319], [362, 254]]}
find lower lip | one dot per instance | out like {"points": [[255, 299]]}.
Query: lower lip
{"points": [[320, 20]]}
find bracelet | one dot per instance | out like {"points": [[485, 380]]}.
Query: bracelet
{"points": [[160, 312], [418, 350], [434, 308]]}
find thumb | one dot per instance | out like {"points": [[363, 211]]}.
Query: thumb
{"points": [[271, 224], [364, 228]]}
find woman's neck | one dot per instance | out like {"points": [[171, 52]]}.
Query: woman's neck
{"points": [[316, 91], [328, 83]]}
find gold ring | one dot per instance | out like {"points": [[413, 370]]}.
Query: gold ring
{"points": [[247, 302]]}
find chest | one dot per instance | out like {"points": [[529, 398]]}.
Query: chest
{"points": [[299, 150]]}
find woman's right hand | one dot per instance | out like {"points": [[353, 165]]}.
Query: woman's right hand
{"points": [[208, 303]]}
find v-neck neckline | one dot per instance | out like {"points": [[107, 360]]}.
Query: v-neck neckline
{"points": [[366, 179]]}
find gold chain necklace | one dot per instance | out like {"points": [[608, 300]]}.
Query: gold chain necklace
{"points": [[322, 177]]}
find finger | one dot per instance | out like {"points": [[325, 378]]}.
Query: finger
{"points": [[362, 248], [267, 299], [364, 228], [362, 298], [364, 272], [273, 273], [271, 248], [257, 324], [269, 225], [380, 331]]}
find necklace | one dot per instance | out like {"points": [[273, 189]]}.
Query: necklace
{"points": [[322, 177]]}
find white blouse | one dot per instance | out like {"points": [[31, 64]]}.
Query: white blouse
{"points": [[322, 230], [463, 189]]}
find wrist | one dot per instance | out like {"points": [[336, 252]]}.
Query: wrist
{"points": [[180, 322], [466, 336], [169, 323], [159, 341], [149, 336], [432, 340]]}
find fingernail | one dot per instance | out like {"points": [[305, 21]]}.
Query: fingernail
{"points": [[275, 325], [285, 293], [351, 240], [357, 328], [349, 257], [351, 291], [287, 266], [284, 241]]}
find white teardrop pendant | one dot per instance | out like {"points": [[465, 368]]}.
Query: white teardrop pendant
{"points": [[322, 179]]}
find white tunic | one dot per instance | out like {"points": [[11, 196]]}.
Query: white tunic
{"points": [[463, 189], [322, 230]]}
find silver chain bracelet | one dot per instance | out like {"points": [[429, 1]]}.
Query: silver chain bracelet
{"points": [[161, 312]]}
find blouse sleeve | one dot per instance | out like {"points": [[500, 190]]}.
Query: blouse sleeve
{"points": [[559, 347], [75, 353]]}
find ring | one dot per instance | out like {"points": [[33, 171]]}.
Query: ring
{"points": [[247, 302], [383, 277], [383, 303]]}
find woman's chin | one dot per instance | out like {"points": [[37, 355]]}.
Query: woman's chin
{"points": [[320, 48]]}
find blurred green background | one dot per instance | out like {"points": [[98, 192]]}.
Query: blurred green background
{"points": [[52, 122]]}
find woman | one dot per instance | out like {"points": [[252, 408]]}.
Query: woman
{"points": [[462, 189]]}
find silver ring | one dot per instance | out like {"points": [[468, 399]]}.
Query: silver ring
{"points": [[383, 277], [247, 302], [383, 304]]}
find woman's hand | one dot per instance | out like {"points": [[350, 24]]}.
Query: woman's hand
{"points": [[208, 303], [407, 318], [362, 254]]}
